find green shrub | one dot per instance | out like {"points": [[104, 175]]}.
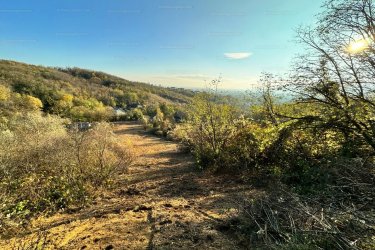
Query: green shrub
{"points": [[45, 167], [218, 137]]}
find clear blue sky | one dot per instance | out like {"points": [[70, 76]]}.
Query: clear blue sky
{"points": [[172, 43]]}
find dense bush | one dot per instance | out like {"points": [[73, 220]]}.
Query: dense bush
{"points": [[161, 119], [135, 114], [219, 139], [45, 167]]}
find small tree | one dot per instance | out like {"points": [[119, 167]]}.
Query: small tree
{"points": [[4, 93], [211, 127], [337, 73]]}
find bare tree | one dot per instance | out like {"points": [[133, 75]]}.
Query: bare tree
{"points": [[337, 74]]}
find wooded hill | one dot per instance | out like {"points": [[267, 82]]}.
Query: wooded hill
{"points": [[82, 94]]}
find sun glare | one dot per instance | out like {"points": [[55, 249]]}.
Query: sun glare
{"points": [[358, 46]]}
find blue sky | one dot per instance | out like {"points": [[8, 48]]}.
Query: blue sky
{"points": [[172, 43]]}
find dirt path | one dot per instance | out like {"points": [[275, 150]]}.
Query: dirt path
{"points": [[161, 203]]}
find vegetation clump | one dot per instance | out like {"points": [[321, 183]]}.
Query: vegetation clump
{"points": [[47, 167], [318, 146]]}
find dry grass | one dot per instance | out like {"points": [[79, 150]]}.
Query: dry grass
{"points": [[162, 202]]}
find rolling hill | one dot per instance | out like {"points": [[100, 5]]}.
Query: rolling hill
{"points": [[74, 92]]}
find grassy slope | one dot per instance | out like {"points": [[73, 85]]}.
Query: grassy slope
{"points": [[85, 83], [160, 203]]}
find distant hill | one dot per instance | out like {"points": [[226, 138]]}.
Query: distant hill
{"points": [[73, 91]]}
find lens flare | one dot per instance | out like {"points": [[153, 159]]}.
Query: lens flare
{"points": [[358, 46]]}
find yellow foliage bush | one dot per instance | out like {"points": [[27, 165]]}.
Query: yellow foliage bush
{"points": [[44, 166]]}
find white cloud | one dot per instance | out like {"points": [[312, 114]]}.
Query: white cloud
{"points": [[238, 55]]}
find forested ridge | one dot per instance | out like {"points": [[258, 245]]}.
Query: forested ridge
{"points": [[276, 173]]}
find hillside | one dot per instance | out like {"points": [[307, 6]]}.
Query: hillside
{"points": [[74, 92], [89, 160], [160, 203]]}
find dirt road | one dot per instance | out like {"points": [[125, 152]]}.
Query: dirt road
{"points": [[163, 202]]}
